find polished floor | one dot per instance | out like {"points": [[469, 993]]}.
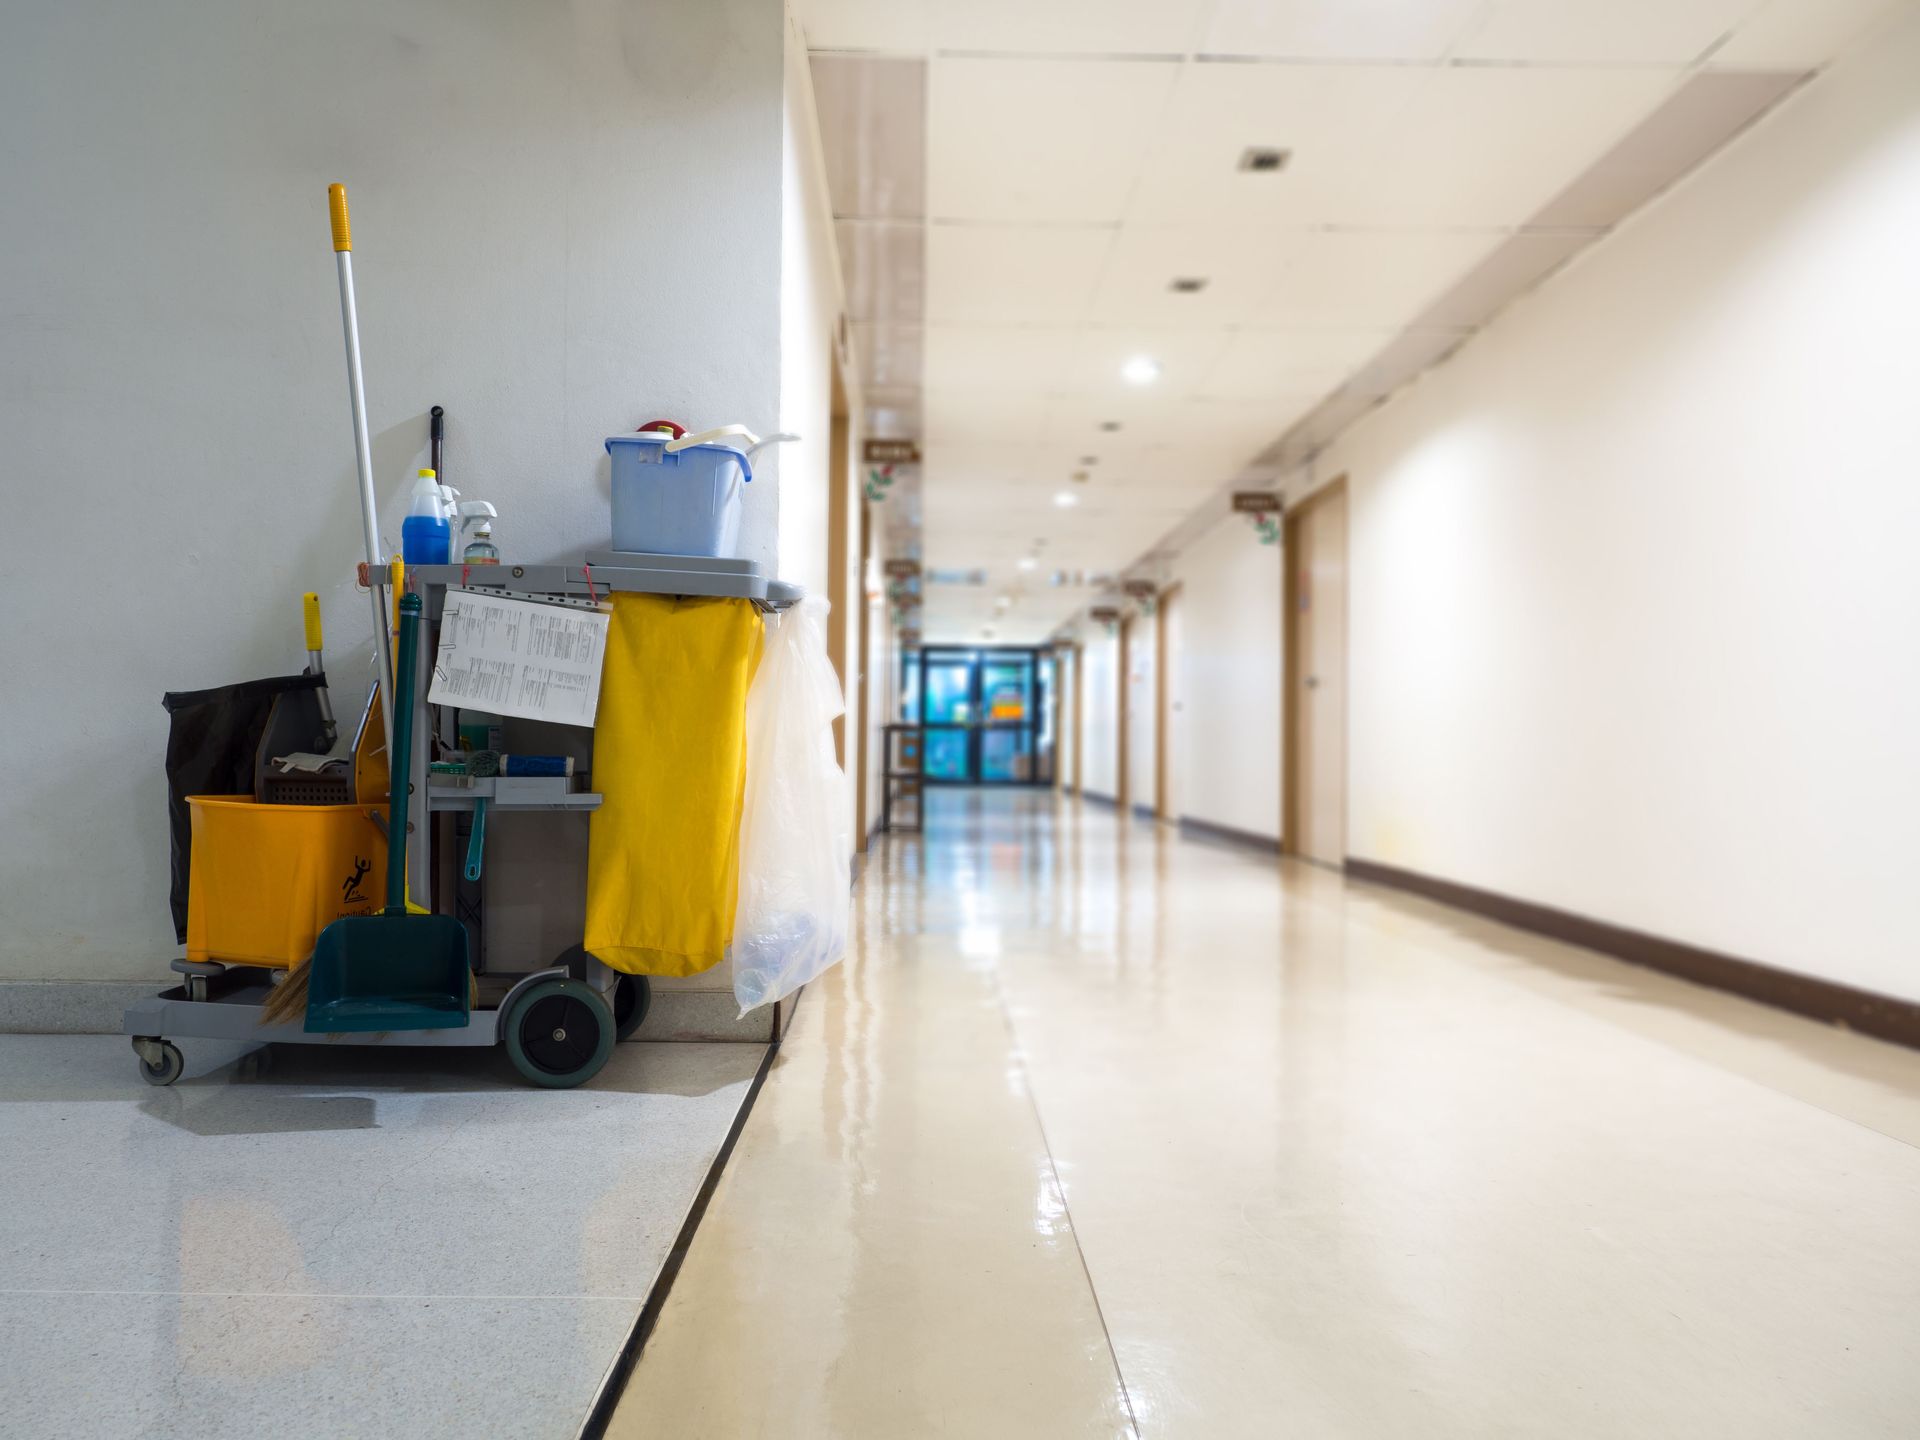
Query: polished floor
{"points": [[329, 1242], [1100, 1131]]}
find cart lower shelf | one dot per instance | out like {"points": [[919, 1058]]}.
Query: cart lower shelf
{"points": [[558, 1030]]}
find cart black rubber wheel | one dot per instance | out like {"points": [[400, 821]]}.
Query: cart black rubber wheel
{"points": [[559, 1033], [169, 1068], [632, 998]]}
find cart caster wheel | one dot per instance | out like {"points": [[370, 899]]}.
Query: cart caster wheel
{"points": [[559, 1033], [169, 1068], [632, 998]]}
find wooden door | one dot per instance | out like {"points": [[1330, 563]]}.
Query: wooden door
{"points": [[1316, 669], [1122, 745], [863, 695], [1166, 737], [842, 584]]}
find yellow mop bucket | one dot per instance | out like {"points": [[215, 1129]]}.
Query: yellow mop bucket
{"points": [[267, 879]]}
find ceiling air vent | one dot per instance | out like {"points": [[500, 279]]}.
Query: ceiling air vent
{"points": [[1263, 159]]}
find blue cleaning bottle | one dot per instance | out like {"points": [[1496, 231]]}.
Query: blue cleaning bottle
{"points": [[425, 536]]}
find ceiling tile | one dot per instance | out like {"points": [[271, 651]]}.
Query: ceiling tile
{"points": [[1366, 278], [885, 267], [1039, 140], [1488, 145], [892, 25], [1801, 34], [1336, 29], [1239, 266], [873, 128], [1184, 357], [1078, 27], [890, 356], [1333, 120], [1648, 32], [1288, 366], [1013, 419], [1020, 274], [981, 357]]}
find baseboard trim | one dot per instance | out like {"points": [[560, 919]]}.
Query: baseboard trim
{"points": [[1099, 799], [1883, 1016], [1207, 830], [1145, 812]]}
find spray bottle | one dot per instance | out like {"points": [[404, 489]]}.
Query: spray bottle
{"points": [[425, 536]]}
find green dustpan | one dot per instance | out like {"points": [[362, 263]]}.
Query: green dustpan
{"points": [[392, 971]]}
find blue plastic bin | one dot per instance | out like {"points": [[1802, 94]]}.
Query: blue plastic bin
{"points": [[680, 502]]}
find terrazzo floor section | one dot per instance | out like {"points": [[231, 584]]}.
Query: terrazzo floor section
{"points": [[304, 1240]]}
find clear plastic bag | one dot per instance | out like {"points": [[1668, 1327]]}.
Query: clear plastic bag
{"points": [[796, 831]]}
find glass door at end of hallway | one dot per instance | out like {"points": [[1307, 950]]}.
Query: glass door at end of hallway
{"points": [[984, 713]]}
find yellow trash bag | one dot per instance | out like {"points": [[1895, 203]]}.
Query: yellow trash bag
{"points": [[670, 761]]}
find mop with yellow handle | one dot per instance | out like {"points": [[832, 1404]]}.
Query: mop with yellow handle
{"points": [[362, 446], [289, 998]]}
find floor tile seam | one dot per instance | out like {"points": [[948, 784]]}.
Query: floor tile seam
{"points": [[1066, 1209], [1618, 1027]]}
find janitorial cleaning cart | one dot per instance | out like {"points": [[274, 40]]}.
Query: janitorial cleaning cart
{"points": [[315, 923]]}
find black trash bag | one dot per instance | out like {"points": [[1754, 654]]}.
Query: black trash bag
{"points": [[210, 751]]}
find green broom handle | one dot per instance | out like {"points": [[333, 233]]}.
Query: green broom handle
{"points": [[400, 756]]}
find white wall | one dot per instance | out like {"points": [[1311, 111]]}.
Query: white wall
{"points": [[1142, 706], [1635, 625], [567, 220], [810, 310], [1228, 659], [809, 313], [1099, 669]]}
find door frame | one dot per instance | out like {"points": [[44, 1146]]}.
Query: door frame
{"points": [[1078, 651], [1292, 626], [1123, 759], [863, 682], [840, 482], [1163, 703]]}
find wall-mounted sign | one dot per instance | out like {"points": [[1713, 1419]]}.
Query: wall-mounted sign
{"points": [[891, 452], [903, 569], [1141, 589], [1256, 502]]}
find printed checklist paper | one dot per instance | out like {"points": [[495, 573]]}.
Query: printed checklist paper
{"points": [[516, 657]]}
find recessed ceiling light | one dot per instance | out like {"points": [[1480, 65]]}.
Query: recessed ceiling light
{"points": [[1140, 370], [1066, 499], [1027, 562], [1109, 425], [1089, 459], [1264, 159], [1188, 284], [1080, 477]]}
